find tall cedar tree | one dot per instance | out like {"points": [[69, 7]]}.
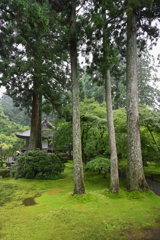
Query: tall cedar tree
{"points": [[103, 60], [79, 187], [36, 67], [135, 174], [137, 12], [114, 179], [139, 17], [77, 153]]}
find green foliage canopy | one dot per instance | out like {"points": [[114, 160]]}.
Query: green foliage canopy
{"points": [[98, 163], [8, 130]]}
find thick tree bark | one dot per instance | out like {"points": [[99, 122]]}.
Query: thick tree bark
{"points": [[77, 154], [135, 174], [33, 142], [114, 179]]}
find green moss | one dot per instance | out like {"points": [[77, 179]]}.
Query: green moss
{"points": [[46, 209], [83, 199]]}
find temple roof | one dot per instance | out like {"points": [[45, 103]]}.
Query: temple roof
{"points": [[24, 134], [47, 130]]}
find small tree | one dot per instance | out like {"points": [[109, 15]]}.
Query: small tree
{"points": [[99, 163]]}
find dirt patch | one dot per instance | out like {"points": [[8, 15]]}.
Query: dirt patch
{"points": [[157, 221], [151, 234], [53, 191], [80, 207], [29, 202], [143, 234], [97, 183]]}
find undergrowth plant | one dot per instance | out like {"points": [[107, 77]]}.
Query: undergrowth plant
{"points": [[98, 163], [39, 165]]}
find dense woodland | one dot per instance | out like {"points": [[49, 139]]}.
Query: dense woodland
{"points": [[40, 44]]}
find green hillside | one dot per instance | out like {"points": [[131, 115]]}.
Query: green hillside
{"points": [[9, 143]]}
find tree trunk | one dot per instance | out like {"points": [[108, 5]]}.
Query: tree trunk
{"points": [[114, 180], [135, 174], [39, 143], [77, 154], [33, 142]]}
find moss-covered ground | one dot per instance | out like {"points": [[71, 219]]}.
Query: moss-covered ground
{"points": [[46, 210]]}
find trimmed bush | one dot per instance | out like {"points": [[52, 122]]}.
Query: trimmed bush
{"points": [[4, 173], [37, 164]]}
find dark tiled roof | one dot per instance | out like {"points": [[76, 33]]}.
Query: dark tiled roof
{"points": [[24, 134], [47, 130]]}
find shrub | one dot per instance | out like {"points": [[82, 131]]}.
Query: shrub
{"points": [[39, 165], [4, 173], [98, 163]]}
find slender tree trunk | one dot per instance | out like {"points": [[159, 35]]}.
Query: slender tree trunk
{"points": [[77, 153], [39, 143], [114, 179], [135, 174], [33, 142]]}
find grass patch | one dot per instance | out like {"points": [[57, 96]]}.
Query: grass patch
{"points": [[47, 209]]}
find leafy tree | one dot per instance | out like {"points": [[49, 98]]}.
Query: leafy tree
{"points": [[99, 163], [120, 123], [62, 139], [93, 130], [150, 129], [8, 130]]}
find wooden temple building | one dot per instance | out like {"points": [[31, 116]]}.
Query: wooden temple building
{"points": [[47, 134]]}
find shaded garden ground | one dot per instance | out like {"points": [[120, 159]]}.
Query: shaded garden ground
{"points": [[46, 209]]}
